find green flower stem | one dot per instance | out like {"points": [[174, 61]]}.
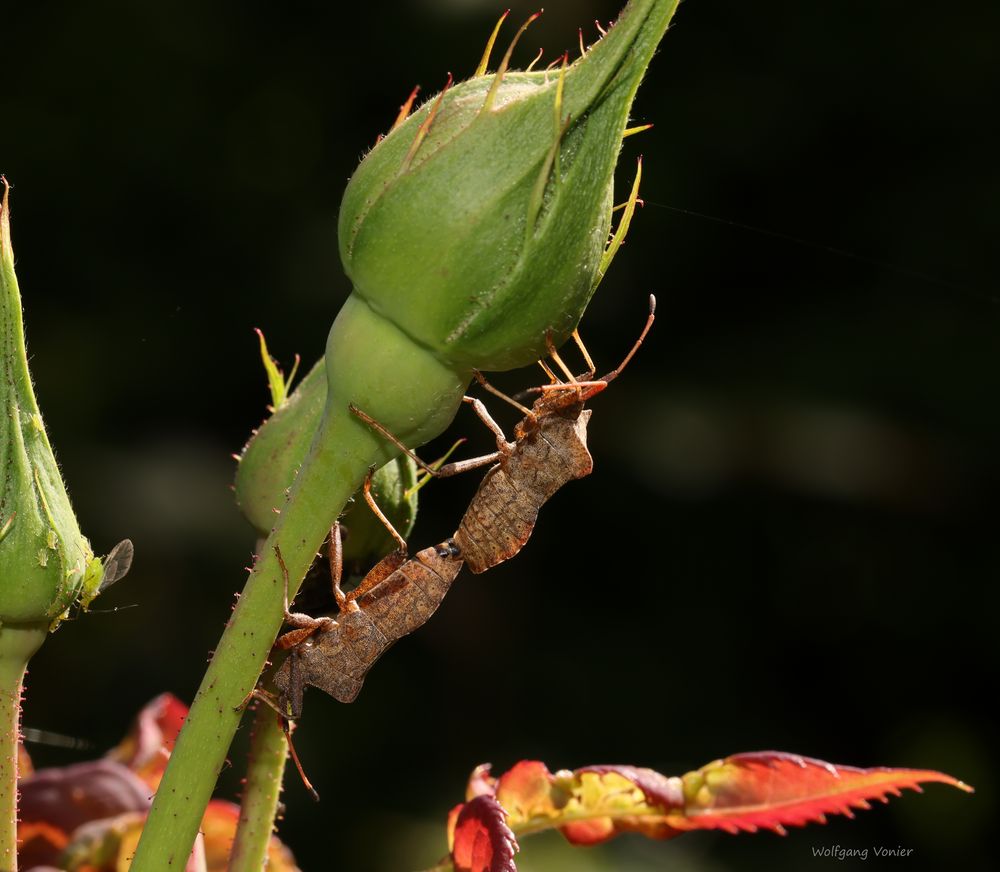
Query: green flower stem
{"points": [[268, 753], [397, 374], [17, 643], [416, 396], [200, 752]]}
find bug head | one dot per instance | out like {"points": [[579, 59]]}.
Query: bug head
{"points": [[560, 394]]}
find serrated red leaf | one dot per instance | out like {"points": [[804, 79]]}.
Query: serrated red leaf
{"points": [[772, 790], [483, 841], [742, 793]]}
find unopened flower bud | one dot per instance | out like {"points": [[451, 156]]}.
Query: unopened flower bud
{"points": [[45, 561], [474, 232], [478, 225]]}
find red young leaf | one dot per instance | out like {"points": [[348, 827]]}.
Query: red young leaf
{"points": [[773, 790], [483, 841], [742, 793], [55, 802]]}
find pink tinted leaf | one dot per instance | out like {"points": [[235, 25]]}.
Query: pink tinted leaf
{"points": [[69, 796], [149, 742], [483, 842], [481, 783], [56, 802], [772, 789]]}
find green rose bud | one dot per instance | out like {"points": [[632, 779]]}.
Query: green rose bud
{"points": [[478, 225], [45, 561], [271, 458], [471, 233], [476, 228]]}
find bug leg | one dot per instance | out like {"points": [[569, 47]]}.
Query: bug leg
{"points": [[548, 371], [400, 541], [437, 464], [559, 361], [385, 567], [524, 410], [335, 557], [304, 625], [591, 369], [288, 706], [386, 433], [286, 728], [377, 574], [460, 466], [266, 697], [487, 419]]}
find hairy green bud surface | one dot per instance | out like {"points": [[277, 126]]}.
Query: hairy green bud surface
{"points": [[478, 225], [45, 561]]}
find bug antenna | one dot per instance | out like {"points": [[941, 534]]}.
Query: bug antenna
{"points": [[484, 63], [628, 357], [295, 758], [505, 63]]}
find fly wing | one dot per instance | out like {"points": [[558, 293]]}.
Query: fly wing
{"points": [[116, 565]]}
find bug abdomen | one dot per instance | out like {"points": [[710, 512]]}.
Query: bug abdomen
{"points": [[337, 661], [409, 596], [497, 523]]}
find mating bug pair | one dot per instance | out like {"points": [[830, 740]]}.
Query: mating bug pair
{"points": [[399, 595]]}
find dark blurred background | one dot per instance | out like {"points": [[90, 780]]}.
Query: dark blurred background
{"points": [[786, 542]]}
